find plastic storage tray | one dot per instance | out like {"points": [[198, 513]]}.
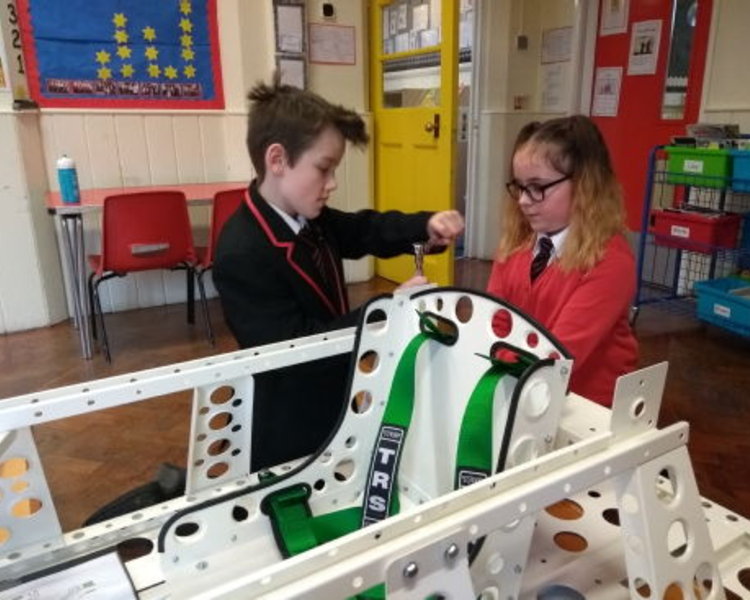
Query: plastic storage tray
{"points": [[741, 170], [725, 302], [705, 167], [698, 231]]}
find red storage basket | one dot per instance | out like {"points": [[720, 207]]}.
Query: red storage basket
{"points": [[692, 230]]}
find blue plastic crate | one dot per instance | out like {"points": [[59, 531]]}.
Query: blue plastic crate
{"points": [[725, 302], [740, 170]]}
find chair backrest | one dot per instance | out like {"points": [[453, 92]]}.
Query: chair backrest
{"points": [[146, 230], [224, 205]]}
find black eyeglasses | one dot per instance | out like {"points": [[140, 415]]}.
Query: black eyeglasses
{"points": [[535, 191]]}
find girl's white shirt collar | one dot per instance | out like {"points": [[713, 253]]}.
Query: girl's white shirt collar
{"points": [[558, 240]]}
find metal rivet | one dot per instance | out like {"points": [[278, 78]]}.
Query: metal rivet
{"points": [[451, 552], [411, 570]]}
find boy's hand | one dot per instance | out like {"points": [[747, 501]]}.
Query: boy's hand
{"points": [[413, 282], [443, 227]]}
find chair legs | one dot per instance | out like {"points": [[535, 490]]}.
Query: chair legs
{"points": [[98, 313], [96, 310], [206, 314]]}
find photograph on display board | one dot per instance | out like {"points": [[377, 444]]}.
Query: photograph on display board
{"points": [[122, 53]]}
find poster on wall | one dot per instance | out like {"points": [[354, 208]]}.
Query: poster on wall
{"points": [[606, 100], [122, 53], [614, 17], [644, 47]]}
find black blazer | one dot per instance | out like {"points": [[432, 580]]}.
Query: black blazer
{"points": [[271, 290]]}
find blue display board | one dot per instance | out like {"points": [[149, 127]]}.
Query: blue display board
{"points": [[122, 53]]}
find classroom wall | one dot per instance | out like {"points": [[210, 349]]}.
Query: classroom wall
{"points": [[113, 148], [726, 87], [510, 96], [119, 147]]}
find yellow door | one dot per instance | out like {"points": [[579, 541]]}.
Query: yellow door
{"points": [[414, 74]]}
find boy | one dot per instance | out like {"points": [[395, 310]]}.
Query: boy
{"points": [[278, 266]]}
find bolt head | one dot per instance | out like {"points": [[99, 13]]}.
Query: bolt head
{"points": [[411, 570]]}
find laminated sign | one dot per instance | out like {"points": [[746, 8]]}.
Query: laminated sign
{"points": [[122, 53]]}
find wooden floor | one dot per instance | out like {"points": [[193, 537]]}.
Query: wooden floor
{"points": [[91, 459]]}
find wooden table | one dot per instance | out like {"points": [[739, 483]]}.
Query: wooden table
{"points": [[70, 217]]}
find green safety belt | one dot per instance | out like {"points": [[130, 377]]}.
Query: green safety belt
{"points": [[294, 527], [474, 450]]}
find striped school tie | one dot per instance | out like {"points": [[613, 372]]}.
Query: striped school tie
{"points": [[542, 257]]}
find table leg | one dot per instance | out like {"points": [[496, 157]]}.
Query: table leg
{"points": [[72, 228]]}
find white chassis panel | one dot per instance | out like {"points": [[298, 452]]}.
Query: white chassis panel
{"points": [[639, 516]]}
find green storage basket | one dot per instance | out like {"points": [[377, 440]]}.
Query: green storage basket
{"points": [[702, 167]]}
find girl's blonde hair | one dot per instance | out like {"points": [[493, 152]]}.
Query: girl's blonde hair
{"points": [[573, 146]]}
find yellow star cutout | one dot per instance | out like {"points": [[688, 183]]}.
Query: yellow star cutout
{"points": [[185, 7], [104, 73], [121, 37], [186, 40], [154, 70], [151, 53], [119, 20], [187, 54], [186, 25], [149, 34], [124, 52], [103, 57], [127, 70], [170, 72], [189, 71]]}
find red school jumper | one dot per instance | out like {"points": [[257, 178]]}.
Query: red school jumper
{"points": [[587, 311]]}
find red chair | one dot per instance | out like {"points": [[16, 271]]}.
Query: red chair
{"points": [[142, 231], [224, 205]]}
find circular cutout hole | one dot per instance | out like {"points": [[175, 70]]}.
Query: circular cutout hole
{"points": [[18, 486], [186, 530], [673, 592], [744, 578], [13, 467], [554, 355], [219, 446], [362, 402], [642, 587], [594, 494], [343, 470], [570, 541], [240, 513], [558, 591], [376, 320], [319, 485], [438, 303], [502, 323], [677, 538], [219, 421], [536, 399], [217, 470], [532, 339], [27, 507], [134, 548], [638, 408], [222, 394], [566, 509], [495, 563], [350, 442], [612, 516], [524, 450], [4, 535], [667, 485], [368, 362], [464, 309]]}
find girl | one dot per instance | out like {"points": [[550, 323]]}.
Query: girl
{"points": [[563, 258]]}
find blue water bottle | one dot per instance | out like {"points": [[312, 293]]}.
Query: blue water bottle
{"points": [[68, 179]]}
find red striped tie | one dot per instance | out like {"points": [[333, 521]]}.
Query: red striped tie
{"points": [[542, 257]]}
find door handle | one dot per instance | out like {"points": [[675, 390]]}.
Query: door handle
{"points": [[434, 126]]}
